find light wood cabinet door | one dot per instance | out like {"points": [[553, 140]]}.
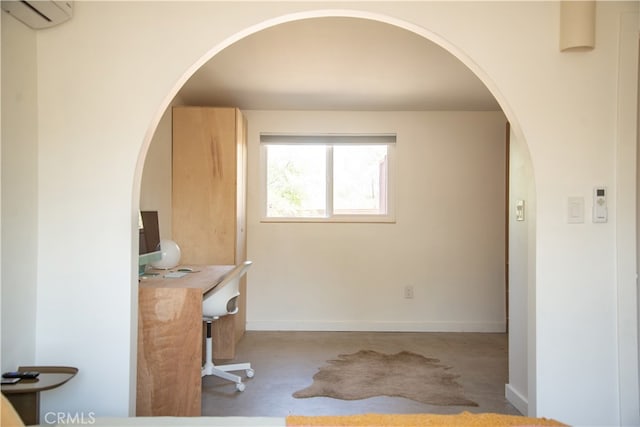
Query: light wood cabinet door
{"points": [[208, 200], [205, 179]]}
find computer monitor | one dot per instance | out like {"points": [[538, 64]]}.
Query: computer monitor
{"points": [[149, 239]]}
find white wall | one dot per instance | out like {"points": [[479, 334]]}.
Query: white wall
{"points": [[447, 162], [627, 214], [155, 189], [448, 241], [106, 77], [638, 213], [521, 272], [19, 194]]}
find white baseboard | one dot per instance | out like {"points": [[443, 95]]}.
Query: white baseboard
{"points": [[287, 325], [516, 399]]}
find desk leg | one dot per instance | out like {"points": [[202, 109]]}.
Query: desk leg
{"points": [[27, 405]]}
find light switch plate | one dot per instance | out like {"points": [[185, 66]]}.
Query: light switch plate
{"points": [[575, 211], [519, 210]]}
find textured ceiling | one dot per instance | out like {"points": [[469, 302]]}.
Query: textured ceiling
{"points": [[337, 64]]}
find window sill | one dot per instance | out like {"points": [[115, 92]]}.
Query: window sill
{"points": [[370, 219]]}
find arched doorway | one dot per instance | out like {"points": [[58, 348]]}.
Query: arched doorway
{"points": [[525, 280]]}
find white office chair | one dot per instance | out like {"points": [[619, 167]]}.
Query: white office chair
{"points": [[221, 301]]}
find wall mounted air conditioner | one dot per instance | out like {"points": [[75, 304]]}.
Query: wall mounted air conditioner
{"points": [[39, 13]]}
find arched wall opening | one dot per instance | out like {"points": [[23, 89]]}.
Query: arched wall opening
{"points": [[522, 336]]}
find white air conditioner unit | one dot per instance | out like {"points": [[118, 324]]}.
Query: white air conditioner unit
{"points": [[39, 13]]}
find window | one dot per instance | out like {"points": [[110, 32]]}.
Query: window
{"points": [[327, 177]]}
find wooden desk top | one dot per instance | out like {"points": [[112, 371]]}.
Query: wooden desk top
{"points": [[204, 277]]}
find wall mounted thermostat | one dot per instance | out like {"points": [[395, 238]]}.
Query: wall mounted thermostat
{"points": [[600, 204]]}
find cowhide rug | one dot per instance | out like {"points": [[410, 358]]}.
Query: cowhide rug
{"points": [[368, 373]]}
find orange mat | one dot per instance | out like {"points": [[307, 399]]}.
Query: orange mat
{"points": [[463, 419]]}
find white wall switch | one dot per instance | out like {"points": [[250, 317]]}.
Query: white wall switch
{"points": [[575, 211], [408, 292], [519, 210]]}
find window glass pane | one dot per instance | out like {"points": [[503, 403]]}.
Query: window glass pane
{"points": [[296, 180], [360, 179]]}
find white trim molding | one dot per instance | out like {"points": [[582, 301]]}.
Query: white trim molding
{"points": [[374, 326], [516, 399]]}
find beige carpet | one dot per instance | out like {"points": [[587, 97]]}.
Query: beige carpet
{"points": [[368, 374]]}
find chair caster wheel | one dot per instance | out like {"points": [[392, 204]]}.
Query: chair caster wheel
{"points": [[250, 373], [240, 387]]}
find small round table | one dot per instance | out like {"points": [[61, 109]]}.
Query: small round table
{"points": [[25, 394]]}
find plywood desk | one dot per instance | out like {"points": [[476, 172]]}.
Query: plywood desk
{"points": [[170, 341]]}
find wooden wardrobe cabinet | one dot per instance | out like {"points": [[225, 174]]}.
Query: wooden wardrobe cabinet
{"points": [[209, 199]]}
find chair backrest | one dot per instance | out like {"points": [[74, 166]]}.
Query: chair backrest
{"points": [[222, 299]]}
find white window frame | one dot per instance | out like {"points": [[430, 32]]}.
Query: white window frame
{"points": [[331, 140]]}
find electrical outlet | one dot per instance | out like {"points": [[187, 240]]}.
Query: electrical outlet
{"points": [[408, 292]]}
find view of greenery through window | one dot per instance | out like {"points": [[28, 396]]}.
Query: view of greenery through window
{"points": [[300, 177], [296, 180]]}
